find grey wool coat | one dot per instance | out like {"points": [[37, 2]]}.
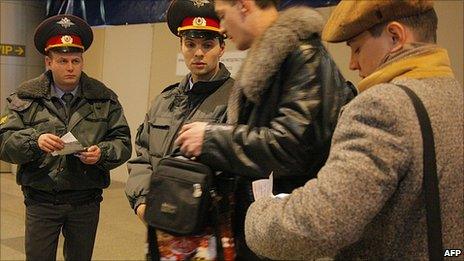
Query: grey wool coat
{"points": [[368, 202]]}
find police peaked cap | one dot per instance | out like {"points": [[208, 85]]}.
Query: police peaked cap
{"points": [[195, 15], [63, 33]]}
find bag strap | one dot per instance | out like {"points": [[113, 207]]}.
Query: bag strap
{"points": [[217, 231], [430, 180], [153, 251]]}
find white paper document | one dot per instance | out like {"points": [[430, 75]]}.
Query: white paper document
{"points": [[281, 195], [71, 145], [262, 188]]}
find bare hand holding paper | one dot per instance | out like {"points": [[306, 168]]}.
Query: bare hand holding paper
{"points": [[71, 145]]}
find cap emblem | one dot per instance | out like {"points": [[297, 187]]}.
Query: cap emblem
{"points": [[199, 21], [65, 22], [66, 39], [199, 3]]}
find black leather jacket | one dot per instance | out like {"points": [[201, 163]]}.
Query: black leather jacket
{"points": [[282, 113], [286, 119], [289, 131]]}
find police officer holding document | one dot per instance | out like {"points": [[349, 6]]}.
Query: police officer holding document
{"points": [[66, 131]]}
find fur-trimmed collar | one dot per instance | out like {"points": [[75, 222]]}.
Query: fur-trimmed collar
{"points": [[278, 41], [40, 88], [268, 52]]}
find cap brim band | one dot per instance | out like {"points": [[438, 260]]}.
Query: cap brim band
{"points": [[191, 27], [64, 45]]}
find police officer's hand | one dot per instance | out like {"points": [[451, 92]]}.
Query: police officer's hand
{"points": [[91, 156], [50, 143], [141, 212], [191, 138]]}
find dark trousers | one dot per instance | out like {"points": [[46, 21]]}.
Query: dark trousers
{"points": [[45, 221]]}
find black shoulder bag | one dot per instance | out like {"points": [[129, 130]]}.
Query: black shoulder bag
{"points": [[180, 196], [430, 179]]}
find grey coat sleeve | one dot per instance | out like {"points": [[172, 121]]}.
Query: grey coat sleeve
{"points": [[370, 153], [140, 168], [116, 147]]}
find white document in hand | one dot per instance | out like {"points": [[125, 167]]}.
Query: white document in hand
{"points": [[71, 145], [262, 188]]}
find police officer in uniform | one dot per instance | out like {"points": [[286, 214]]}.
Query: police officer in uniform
{"points": [[201, 95], [63, 188]]}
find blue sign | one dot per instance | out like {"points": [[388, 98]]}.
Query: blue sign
{"points": [[111, 12]]}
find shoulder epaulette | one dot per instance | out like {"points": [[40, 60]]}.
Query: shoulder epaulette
{"points": [[170, 87], [18, 104]]}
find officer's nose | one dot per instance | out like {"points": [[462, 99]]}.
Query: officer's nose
{"points": [[199, 52], [69, 66]]}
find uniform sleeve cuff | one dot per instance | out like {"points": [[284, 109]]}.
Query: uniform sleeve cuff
{"points": [[140, 200], [34, 148]]}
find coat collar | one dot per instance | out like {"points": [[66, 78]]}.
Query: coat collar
{"points": [[269, 51], [205, 87], [40, 88]]}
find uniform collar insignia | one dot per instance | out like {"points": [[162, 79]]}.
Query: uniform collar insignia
{"points": [[199, 3], [66, 23], [4, 120]]}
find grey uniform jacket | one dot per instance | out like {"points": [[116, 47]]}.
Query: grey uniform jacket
{"points": [[97, 119], [368, 202], [175, 106]]}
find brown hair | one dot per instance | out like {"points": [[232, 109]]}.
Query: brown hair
{"points": [[424, 26], [260, 3]]}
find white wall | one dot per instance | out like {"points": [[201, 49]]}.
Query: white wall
{"points": [[126, 70], [450, 32]]}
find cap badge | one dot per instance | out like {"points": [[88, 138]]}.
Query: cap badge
{"points": [[199, 21], [199, 3], [66, 39], [65, 22]]}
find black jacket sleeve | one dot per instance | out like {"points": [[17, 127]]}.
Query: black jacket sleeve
{"points": [[291, 143]]}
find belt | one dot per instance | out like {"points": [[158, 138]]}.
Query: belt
{"points": [[73, 197]]}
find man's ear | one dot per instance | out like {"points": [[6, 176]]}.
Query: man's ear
{"points": [[48, 61], [245, 5], [223, 49], [398, 35]]}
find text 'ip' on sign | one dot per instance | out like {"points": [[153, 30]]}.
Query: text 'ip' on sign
{"points": [[12, 50]]}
